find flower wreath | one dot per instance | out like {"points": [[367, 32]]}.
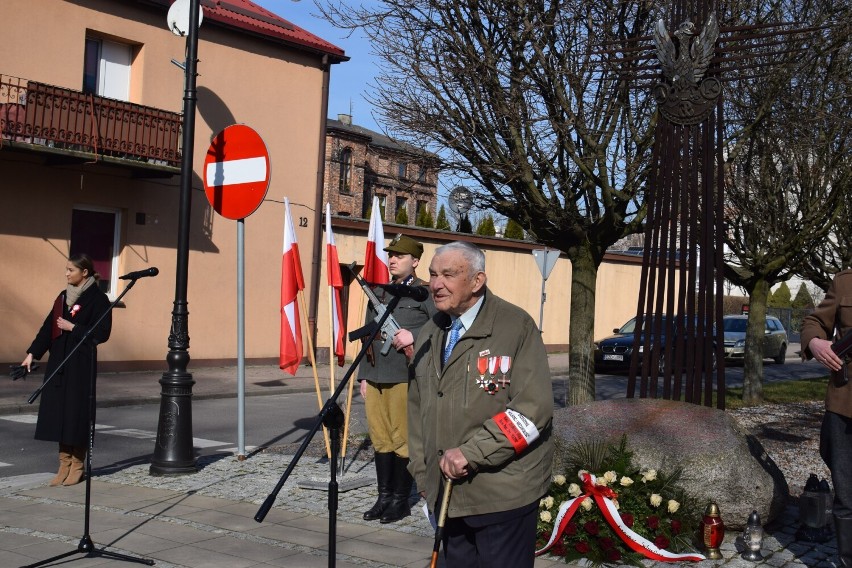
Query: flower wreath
{"points": [[630, 502]]}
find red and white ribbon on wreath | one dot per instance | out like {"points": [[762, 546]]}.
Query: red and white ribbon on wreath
{"points": [[603, 496]]}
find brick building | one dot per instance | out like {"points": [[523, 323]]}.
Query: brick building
{"points": [[360, 163]]}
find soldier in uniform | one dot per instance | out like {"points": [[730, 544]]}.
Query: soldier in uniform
{"points": [[384, 387]]}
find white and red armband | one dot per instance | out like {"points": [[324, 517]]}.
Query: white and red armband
{"points": [[519, 429]]}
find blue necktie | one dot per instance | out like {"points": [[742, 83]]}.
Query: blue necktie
{"points": [[452, 339]]}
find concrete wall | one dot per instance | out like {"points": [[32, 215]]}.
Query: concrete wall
{"points": [[512, 274]]}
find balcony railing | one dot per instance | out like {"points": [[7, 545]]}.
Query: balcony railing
{"points": [[44, 115]]}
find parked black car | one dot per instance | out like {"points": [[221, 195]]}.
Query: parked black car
{"points": [[614, 353]]}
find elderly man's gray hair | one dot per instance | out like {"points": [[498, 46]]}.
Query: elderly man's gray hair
{"points": [[471, 253]]}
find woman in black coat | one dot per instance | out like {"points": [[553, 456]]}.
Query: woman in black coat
{"points": [[63, 414]]}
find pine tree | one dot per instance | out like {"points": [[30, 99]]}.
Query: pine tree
{"points": [[513, 230], [401, 216], [803, 298], [442, 223], [424, 218], [781, 298], [486, 227]]}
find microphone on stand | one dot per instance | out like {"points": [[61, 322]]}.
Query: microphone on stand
{"points": [[416, 293], [153, 271]]}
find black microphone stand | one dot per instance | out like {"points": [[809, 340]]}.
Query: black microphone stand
{"points": [[332, 417], [86, 546]]}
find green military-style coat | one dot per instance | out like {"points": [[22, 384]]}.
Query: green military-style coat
{"points": [[456, 407]]}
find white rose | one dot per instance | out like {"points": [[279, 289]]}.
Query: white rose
{"points": [[610, 476], [656, 499], [548, 502], [587, 504], [673, 506], [574, 490], [649, 475], [626, 481], [601, 481], [545, 516], [559, 479]]}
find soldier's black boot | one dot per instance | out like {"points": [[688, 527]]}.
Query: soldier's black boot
{"points": [[402, 480], [384, 476], [843, 530]]}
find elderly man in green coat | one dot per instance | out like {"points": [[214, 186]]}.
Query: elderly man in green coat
{"points": [[480, 413]]}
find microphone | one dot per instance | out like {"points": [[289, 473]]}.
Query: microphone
{"points": [[153, 271], [416, 293]]}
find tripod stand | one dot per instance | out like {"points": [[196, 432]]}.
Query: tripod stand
{"points": [[86, 546], [332, 417]]}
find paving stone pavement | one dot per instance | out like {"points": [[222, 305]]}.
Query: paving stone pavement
{"points": [[207, 519]]}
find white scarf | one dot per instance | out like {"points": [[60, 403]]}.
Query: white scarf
{"points": [[72, 293]]}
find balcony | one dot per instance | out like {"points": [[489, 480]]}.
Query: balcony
{"points": [[40, 117]]}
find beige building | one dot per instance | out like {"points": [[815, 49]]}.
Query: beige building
{"points": [[89, 162]]}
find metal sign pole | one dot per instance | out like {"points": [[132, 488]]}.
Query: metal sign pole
{"points": [[241, 340], [545, 259]]}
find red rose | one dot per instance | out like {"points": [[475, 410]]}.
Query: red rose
{"points": [[661, 542], [627, 519], [606, 543], [676, 527], [653, 522], [570, 529], [613, 555], [592, 528], [558, 548], [582, 547], [545, 536]]}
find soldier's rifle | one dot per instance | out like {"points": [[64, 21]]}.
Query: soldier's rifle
{"points": [[390, 326]]}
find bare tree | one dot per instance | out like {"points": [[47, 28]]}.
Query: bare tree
{"points": [[523, 98], [788, 166]]}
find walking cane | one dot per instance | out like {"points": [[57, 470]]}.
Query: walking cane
{"points": [[447, 489]]}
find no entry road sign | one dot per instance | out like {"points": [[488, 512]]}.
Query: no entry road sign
{"points": [[236, 172]]}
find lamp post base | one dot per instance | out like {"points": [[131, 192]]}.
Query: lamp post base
{"points": [[174, 453]]}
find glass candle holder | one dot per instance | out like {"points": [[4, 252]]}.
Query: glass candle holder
{"points": [[753, 538]]}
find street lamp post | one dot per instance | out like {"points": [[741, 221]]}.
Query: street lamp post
{"points": [[173, 452]]}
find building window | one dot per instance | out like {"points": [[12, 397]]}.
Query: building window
{"points": [[403, 166], [421, 174], [345, 182], [106, 69], [95, 231]]}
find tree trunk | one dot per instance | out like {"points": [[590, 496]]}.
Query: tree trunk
{"points": [[753, 362], [581, 367]]}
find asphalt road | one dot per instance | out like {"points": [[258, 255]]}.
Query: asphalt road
{"points": [[126, 434]]}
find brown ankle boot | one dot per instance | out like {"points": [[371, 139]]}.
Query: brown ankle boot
{"points": [[64, 465], [75, 476]]}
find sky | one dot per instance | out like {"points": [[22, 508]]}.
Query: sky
{"points": [[349, 80]]}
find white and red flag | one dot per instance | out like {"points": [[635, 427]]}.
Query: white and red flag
{"points": [[335, 287], [292, 282], [376, 259]]}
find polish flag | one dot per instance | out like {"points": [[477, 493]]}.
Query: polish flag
{"points": [[335, 286], [292, 282], [376, 260]]}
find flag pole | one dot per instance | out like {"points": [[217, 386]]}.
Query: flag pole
{"points": [[349, 402], [304, 311]]}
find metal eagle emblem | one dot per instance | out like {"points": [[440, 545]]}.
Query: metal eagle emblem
{"points": [[686, 96]]}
